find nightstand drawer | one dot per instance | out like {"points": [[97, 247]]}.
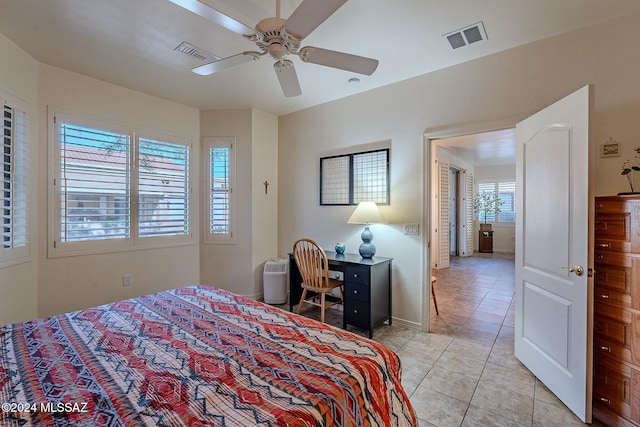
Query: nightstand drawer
{"points": [[356, 291], [357, 313], [356, 275]]}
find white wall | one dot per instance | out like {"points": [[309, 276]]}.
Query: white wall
{"points": [[19, 283], [502, 88], [71, 283]]}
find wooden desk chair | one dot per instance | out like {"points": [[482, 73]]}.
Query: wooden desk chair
{"points": [[433, 293], [314, 269]]}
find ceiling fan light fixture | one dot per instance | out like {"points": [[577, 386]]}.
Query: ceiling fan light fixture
{"points": [[278, 50]]}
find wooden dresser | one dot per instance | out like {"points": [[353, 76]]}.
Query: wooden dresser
{"points": [[616, 344]]}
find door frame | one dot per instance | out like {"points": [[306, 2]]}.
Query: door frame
{"points": [[429, 147], [430, 176]]}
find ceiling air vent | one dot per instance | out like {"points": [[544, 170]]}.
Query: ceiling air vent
{"points": [[465, 36], [196, 52]]}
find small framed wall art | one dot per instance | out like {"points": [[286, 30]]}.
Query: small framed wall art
{"points": [[610, 148]]}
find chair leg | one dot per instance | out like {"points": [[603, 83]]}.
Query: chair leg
{"points": [[304, 294], [322, 300], [433, 293]]}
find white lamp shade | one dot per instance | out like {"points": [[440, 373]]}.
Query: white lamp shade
{"points": [[366, 213]]}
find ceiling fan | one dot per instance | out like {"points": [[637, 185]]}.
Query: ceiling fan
{"points": [[280, 38]]}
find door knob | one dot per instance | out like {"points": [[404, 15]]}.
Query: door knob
{"points": [[577, 269]]}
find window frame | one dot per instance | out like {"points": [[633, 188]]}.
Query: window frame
{"points": [[496, 190], [59, 248], [228, 142], [20, 254], [347, 180]]}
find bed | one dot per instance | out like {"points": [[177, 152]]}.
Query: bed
{"points": [[195, 356]]}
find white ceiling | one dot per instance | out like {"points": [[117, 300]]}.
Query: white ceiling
{"points": [[483, 149], [131, 42]]}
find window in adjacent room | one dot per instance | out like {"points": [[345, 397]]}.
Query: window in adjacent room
{"points": [[220, 200], [117, 188], [15, 230], [353, 178], [506, 193]]}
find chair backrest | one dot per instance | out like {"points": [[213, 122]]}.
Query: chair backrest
{"points": [[312, 263]]}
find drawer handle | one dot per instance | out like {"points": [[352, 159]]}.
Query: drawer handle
{"points": [[604, 400], [355, 292], [603, 245], [355, 275], [599, 205], [604, 296], [355, 311], [600, 256], [605, 348]]}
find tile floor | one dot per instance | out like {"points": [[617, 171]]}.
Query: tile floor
{"points": [[464, 372]]}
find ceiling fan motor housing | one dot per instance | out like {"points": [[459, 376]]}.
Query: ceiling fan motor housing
{"points": [[272, 38]]}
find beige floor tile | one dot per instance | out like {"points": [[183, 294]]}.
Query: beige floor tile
{"points": [[437, 408], [550, 415], [504, 402], [479, 417], [517, 380], [461, 364], [470, 349], [451, 383]]}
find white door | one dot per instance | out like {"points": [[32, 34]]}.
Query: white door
{"points": [[552, 248]]}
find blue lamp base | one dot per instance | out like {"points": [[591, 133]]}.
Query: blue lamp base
{"points": [[367, 249]]}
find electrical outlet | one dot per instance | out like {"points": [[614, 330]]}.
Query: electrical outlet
{"points": [[412, 229], [126, 280]]}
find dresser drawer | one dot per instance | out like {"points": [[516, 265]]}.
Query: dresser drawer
{"points": [[613, 284], [613, 226], [611, 205], [356, 291], [616, 387], [615, 331], [356, 275], [618, 284], [357, 313]]}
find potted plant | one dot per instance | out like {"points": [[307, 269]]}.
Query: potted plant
{"points": [[486, 203], [631, 172]]}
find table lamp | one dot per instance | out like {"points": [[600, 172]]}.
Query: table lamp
{"points": [[366, 213]]}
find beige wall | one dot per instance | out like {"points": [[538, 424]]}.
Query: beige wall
{"points": [[70, 283], [237, 267], [19, 283], [264, 207], [502, 88]]}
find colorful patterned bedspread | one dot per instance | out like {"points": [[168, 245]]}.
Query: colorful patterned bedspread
{"points": [[195, 356]]}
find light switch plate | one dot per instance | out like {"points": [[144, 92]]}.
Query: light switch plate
{"points": [[412, 229]]}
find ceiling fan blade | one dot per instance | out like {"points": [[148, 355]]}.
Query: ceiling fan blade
{"points": [[214, 16], [341, 60], [309, 15], [288, 78], [224, 63]]}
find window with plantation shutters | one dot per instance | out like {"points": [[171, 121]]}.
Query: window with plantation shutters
{"points": [[163, 190], [117, 188], [15, 229], [220, 162], [95, 183], [506, 194]]}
